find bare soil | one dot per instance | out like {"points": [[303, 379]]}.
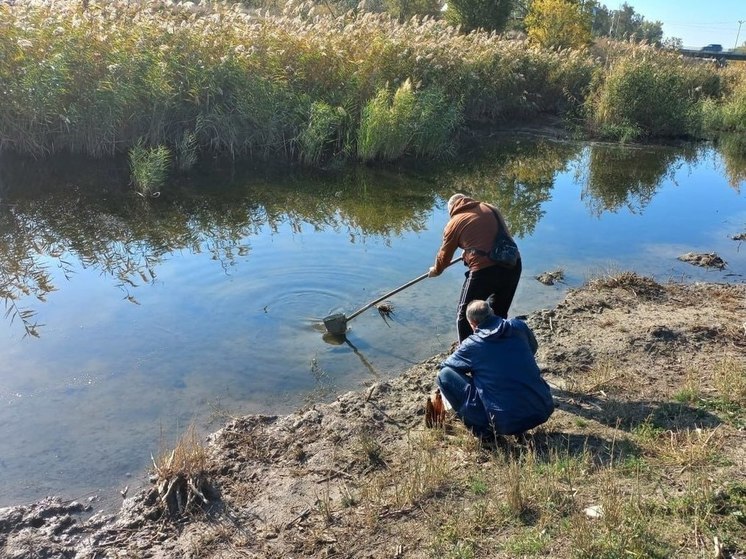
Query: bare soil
{"points": [[362, 476]]}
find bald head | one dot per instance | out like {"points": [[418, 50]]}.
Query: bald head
{"points": [[453, 199], [477, 312]]}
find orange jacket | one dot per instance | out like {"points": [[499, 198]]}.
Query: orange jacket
{"points": [[472, 225]]}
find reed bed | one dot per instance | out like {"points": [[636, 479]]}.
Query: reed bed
{"points": [[646, 93], [101, 80], [221, 79]]}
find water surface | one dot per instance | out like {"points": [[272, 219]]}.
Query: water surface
{"points": [[127, 319]]}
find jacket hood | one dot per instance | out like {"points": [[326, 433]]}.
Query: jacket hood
{"points": [[463, 204], [494, 327]]}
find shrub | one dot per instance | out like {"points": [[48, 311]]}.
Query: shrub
{"points": [[645, 96], [421, 123], [558, 24], [490, 15], [732, 111]]}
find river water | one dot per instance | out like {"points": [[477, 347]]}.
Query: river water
{"points": [[130, 319]]}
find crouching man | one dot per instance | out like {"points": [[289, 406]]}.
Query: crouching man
{"points": [[492, 381]]}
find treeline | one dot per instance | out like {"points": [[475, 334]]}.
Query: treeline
{"points": [[170, 83], [623, 23]]}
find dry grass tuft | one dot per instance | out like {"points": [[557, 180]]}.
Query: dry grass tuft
{"points": [[686, 449], [604, 377], [181, 475], [730, 381], [640, 286]]}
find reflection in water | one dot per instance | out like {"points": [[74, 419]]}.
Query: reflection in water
{"points": [[87, 215], [733, 149], [517, 180], [617, 176], [337, 339], [125, 237], [80, 214]]}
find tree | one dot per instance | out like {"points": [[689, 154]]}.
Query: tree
{"points": [[624, 22], [490, 15], [558, 23], [649, 31], [673, 43], [600, 19], [628, 24]]}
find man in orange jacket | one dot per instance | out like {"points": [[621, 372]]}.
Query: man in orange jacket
{"points": [[472, 227]]}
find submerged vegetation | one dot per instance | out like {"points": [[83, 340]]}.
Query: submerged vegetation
{"points": [[221, 79]]}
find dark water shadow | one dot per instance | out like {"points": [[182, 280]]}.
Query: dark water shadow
{"points": [[336, 339]]}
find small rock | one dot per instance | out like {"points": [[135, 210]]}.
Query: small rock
{"points": [[594, 511]]}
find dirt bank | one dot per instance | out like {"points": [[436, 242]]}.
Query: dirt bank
{"points": [[643, 457]]}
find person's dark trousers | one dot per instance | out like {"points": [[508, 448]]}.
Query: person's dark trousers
{"points": [[496, 282], [460, 392]]}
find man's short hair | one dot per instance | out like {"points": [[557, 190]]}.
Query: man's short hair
{"points": [[478, 311], [453, 199]]}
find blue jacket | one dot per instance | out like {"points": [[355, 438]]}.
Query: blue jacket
{"points": [[500, 357]]}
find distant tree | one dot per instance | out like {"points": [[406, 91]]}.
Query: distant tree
{"points": [[649, 31], [628, 24], [558, 23], [624, 22], [600, 19], [673, 43], [490, 15]]}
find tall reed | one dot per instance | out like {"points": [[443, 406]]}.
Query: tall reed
{"points": [[149, 167], [650, 93], [98, 80], [409, 121], [245, 82]]}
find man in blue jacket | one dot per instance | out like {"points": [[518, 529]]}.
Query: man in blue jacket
{"points": [[492, 380]]}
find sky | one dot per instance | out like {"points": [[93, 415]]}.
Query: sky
{"points": [[696, 22]]}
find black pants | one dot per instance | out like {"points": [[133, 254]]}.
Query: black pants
{"points": [[496, 282]]}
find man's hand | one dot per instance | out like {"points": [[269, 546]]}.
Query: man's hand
{"points": [[432, 272]]}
